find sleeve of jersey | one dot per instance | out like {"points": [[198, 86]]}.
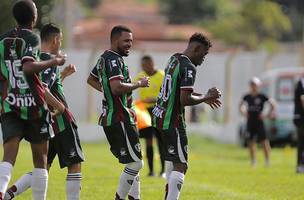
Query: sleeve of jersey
{"points": [[188, 74], [94, 71], [31, 50], [115, 72]]}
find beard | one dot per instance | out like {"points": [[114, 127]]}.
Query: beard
{"points": [[122, 52]]}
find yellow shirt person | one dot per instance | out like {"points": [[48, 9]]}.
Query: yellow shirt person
{"points": [[149, 94]]}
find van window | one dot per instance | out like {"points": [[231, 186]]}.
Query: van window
{"points": [[285, 89]]}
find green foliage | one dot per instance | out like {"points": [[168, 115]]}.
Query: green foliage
{"points": [[6, 16], [216, 171], [256, 23]]}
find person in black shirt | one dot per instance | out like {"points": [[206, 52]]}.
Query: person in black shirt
{"points": [[299, 123], [251, 106]]}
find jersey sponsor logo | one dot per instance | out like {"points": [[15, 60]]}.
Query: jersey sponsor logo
{"points": [[21, 100], [158, 112]]}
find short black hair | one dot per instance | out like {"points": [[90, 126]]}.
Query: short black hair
{"points": [[24, 12], [117, 30], [146, 57], [49, 30], [199, 37]]}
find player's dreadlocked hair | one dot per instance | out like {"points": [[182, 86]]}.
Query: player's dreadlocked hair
{"points": [[117, 30], [24, 12], [48, 31], [199, 37]]}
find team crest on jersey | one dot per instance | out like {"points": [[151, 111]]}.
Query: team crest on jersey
{"points": [[114, 63], [123, 152], [137, 147]]}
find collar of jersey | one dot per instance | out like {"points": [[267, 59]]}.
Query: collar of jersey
{"points": [[114, 52]]}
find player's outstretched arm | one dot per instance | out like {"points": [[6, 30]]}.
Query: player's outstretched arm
{"points": [[32, 67], [188, 98], [67, 71], [94, 83], [119, 88]]}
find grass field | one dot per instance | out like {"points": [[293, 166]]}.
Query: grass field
{"points": [[216, 171]]}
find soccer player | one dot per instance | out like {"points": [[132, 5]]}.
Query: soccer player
{"points": [[24, 112], [251, 107], [66, 142], [148, 96], [299, 123], [168, 114], [118, 117]]}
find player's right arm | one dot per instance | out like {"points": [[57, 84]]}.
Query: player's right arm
{"points": [[119, 88]]}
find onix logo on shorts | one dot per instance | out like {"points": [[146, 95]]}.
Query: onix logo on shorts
{"points": [[137, 147]]}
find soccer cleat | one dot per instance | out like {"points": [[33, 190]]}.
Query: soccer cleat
{"points": [[117, 197], [9, 195], [132, 198]]}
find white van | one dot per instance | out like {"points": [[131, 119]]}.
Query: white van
{"points": [[279, 84]]}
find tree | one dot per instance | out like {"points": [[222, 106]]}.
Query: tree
{"points": [[256, 23]]}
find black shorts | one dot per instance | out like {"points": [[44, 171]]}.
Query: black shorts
{"points": [[124, 142], [147, 132], [256, 130], [34, 131], [66, 145], [175, 145]]}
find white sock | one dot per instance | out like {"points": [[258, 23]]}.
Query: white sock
{"points": [[135, 188], [5, 176], [125, 182], [22, 184], [175, 185], [39, 183], [73, 186], [168, 169]]}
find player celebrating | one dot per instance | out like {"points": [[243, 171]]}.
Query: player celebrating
{"points": [[24, 112], [66, 143], [118, 117], [168, 114], [251, 106]]}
